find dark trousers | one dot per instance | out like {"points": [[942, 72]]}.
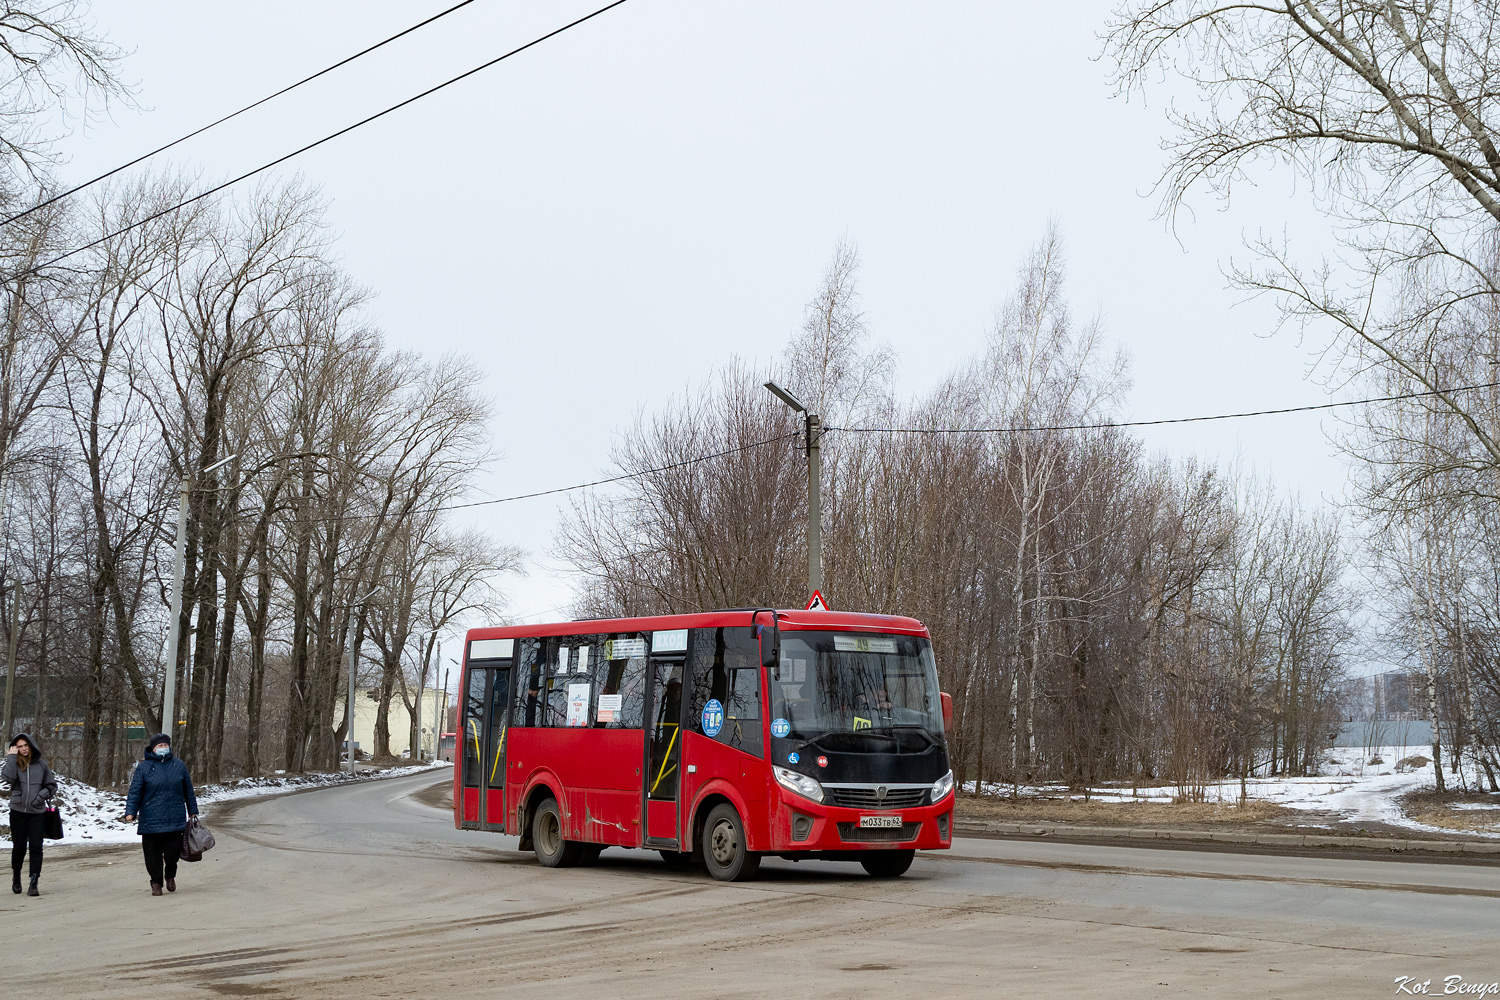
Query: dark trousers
{"points": [[26, 831], [162, 851]]}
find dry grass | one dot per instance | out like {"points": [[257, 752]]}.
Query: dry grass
{"points": [[1434, 809], [1131, 814]]}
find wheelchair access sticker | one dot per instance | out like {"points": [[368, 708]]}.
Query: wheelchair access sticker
{"points": [[792, 758]]}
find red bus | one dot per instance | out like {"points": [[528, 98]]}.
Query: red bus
{"points": [[713, 738]]}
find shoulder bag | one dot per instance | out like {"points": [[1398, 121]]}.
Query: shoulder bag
{"points": [[52, 827]]}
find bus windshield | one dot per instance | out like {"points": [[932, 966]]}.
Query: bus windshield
{"points": [[840, 682]]}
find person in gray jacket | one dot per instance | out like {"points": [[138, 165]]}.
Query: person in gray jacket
{"points": [[31, 784]]}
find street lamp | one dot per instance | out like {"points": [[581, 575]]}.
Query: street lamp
{"points": [[174, 624], [351, 640], [814, 482]]}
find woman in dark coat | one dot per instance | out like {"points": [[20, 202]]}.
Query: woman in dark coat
{"points": [[161, 799], [31, 785]]}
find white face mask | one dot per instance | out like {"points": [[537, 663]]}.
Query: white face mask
{"points": [[162, 751]]}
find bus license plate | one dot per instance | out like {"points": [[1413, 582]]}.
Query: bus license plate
{"points": [[879, 822]]}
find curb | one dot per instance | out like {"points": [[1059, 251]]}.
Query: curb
{"points": [[1295, 840]]}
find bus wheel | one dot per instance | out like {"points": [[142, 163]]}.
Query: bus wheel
{"points": [[547, 839], [887, 864], [724, 849], [677, 859]]}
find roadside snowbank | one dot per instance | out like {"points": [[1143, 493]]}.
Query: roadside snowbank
{"points": [[1359, 786], [96, 816]]}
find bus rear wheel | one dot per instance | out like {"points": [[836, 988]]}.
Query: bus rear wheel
{"points": [[724, 846], [887, 864], [552, 850]]}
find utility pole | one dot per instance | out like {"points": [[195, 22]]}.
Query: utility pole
{"points": [[437, 704], [814, 487], [814, 504], [169, 690], [10, 662], [443, 711]]}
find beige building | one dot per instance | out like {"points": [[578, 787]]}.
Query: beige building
{"points": [[367, 701]]}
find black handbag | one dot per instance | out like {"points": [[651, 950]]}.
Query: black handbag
{"points": [[52, 824], [195, 840]]}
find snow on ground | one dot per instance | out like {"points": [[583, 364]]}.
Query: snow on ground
{"points": [[1352, 786], [96, 816]]}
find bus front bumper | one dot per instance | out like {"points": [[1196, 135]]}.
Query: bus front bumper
{"points": [[803, 825]]}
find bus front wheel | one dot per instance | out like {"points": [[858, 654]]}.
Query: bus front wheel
{"points": [[887, 864], [552, 850], [725, 851]]}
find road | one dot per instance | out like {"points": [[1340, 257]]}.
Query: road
{"points": [[364, 891]]}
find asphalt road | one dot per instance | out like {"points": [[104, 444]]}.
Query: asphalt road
{"points": [[364, 891]]}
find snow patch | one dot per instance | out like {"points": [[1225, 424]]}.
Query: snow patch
{"points": [[96, 816], [1358, 791]]}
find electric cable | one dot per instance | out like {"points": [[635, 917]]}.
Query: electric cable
{"points": [[312, 145], [577, 486], [249, 107], [1110, 425]]}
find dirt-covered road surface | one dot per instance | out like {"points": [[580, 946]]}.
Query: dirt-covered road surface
{"points": [[364, 891]]}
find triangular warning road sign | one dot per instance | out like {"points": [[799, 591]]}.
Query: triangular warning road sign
{"points": [[817, 603]]}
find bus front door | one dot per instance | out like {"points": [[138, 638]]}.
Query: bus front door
{"points": [[663, 752], [492, 780]]}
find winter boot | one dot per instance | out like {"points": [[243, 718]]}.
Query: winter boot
{"points": [[15, 881], [156, 888], [33, 890]]}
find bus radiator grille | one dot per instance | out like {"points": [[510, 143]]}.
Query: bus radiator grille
{"points": [[864, 798], [852, 833]]}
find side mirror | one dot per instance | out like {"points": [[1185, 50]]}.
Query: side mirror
{"points": [[947, 700], [770, 646]]}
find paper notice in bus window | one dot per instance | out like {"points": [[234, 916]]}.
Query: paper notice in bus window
{"points": [[609, 707], [583, 660], [578, 704], [863, 644], [624, 649]]}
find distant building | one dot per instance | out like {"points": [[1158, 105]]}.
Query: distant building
{"points": [[366, 703], [1395, 696]]}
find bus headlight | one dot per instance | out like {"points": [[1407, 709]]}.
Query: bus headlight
{"points": [[942, 787], [801, 784]]}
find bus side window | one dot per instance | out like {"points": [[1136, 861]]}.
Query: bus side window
{"points": [[558, 659], [621, 675], [726, 668], [529, 681]]}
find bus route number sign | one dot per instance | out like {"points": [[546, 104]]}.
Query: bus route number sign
{"points": [[713, 717]]}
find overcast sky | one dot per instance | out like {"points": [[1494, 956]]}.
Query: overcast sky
{"points": [[604, 219]]}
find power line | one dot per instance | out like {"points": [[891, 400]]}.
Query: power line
{"points": [[313, 145], [249, 107], [578, 486], [1158, 423]]}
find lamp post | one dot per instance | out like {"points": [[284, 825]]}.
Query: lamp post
{"points": [[174, 623], [352, 641], [814, 484]]}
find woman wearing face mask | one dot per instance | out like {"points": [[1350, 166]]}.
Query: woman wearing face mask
{"points": [[31, 784], [161, 797]]}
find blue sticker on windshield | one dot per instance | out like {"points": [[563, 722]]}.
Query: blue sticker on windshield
{"points": [[713, 717], [780, 728], [792, 758]]}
